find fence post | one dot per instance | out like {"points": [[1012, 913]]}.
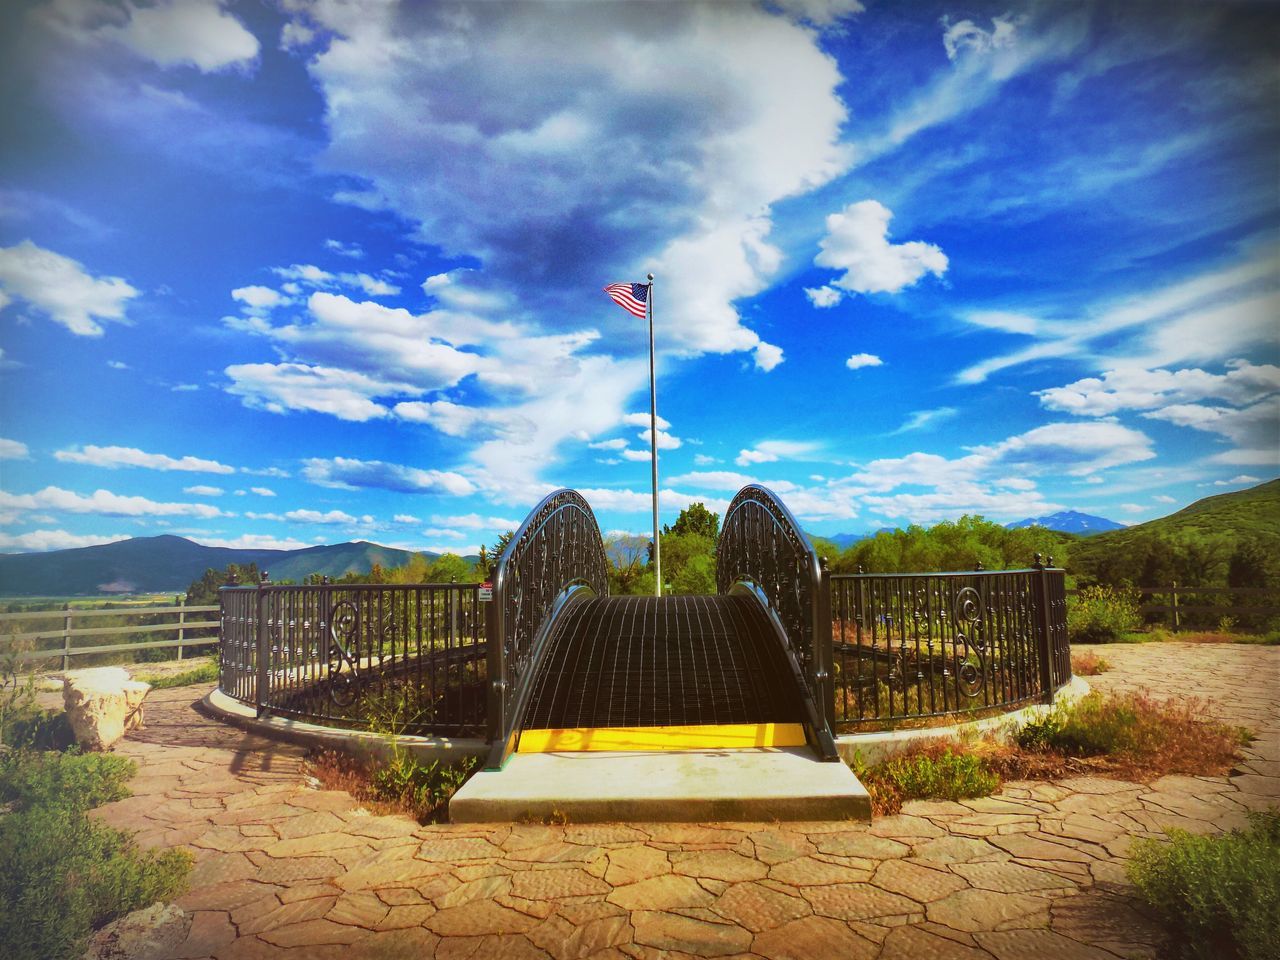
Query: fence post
{"points": [[1044, 644], [261, 624], [182, 619], [66, 637], [1176, 619], [823, 641]]}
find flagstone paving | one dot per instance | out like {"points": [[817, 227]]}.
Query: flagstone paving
{"points": [[285, 870]]}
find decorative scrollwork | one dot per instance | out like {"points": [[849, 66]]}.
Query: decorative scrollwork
{"points": [[344, 627], [970, 636]]}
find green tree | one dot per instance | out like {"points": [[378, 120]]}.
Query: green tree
{"points": [[695, 519], [204, 592]]}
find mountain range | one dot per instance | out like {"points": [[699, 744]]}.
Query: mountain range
{"points": [[1069, 521], [169, 564]]}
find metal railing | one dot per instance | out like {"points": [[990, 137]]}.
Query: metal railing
{"points": [[410, 657], [917, 646], [763, 548], [61, 626], [557, 551]]}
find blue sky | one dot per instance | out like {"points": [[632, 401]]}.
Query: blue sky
{"points": [[279, 274]]}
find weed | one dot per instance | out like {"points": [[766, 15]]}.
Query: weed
{"points": [[17, 693], [926, 771], [1219, 896], [1137, 734], [1088, 664], [206, 672]]}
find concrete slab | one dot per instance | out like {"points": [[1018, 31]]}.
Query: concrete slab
{"points": [[694, 786]]}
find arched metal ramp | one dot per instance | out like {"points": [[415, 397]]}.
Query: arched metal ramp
{"points": [[646, 673]]}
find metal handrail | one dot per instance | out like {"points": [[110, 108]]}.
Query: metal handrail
{"points": [[557, 548]]}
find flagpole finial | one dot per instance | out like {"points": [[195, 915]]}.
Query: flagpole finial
{"points": [[651, 278]]}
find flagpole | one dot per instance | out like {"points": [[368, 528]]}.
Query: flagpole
{"points": [[653, 447]]}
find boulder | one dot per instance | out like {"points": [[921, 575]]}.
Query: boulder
{"points": [[152, 933], [101, 704]]}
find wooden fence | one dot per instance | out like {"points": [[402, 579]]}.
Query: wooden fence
{"points": [[1180, 603], [181, 631]]}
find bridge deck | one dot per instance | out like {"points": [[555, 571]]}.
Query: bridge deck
{"points": [[674, 661]]}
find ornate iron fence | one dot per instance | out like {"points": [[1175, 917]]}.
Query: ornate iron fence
{"points": [[761, 545], [358, 655], [915, 646], [556, 551]]}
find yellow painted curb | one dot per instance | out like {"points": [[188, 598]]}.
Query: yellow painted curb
{"points": [[709, 737]]}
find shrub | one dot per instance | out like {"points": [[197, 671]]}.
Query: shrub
{"points": [[65, 874], [1101, 614], [1219, 896]]}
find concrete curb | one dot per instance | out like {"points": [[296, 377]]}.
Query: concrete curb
{"points": [[872, 747], [232, 711], [875, 746]]}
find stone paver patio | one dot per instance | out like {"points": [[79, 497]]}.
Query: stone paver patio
{"points": [[1035, 871]]}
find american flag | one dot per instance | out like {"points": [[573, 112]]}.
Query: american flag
{"points": [[631, 297]]}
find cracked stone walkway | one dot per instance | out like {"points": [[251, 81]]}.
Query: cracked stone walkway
{"points": [[1035, 871]]}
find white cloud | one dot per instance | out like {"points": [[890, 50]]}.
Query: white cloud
{"points": [[638, 456], [769, 451], [1133, 508], [860, 360], [315, 516], [104, 503], [352, 250], [1163, 498], [965, 38], [257, 298], [62, 289], [406, 518], [642, 420], [1234, 481], [457, 420], [42, 541], [1211, 317], [924, 419], [118, 365], [114, 457], [665, 440], [546, 89], [307, 273], [201, 490], [13, 450], [373, 286], [702, 460], [767, 356], [186, 32], [1134, 388], [437, 532], [617, 443], [1254, 430], [263, 491], [1003, 320], [473, 521], [1077, 449], [348, 474], [857, 242], [198, 33], [253, 541], [281, 387], [823, 297]]}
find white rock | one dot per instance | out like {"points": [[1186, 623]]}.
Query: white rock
{"points": [[101, 704]]}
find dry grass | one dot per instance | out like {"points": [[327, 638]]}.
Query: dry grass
{"points": [[401, 785], [1088, 664], [1122, 736]]}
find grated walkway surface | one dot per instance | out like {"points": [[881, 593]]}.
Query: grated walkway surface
{"points": [[669, 661], [285, 870]]}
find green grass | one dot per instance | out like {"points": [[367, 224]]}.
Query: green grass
{"points": [[206, 672], [65, 874], [1219, 897]]}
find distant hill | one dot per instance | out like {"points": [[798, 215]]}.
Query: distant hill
{"points": [[1252, 514], [169, 564], [1069, 521]]}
